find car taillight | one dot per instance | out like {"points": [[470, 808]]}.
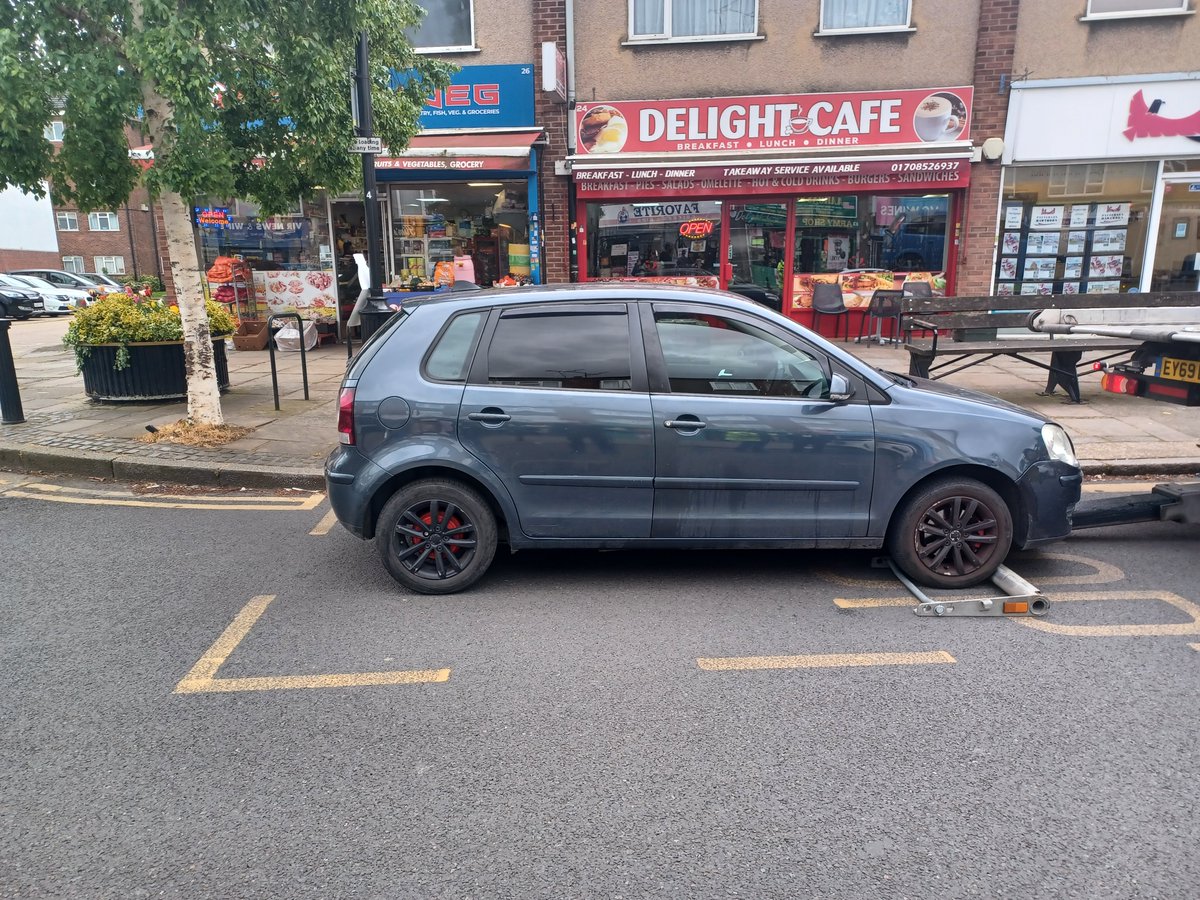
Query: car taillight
{"points": [[346, 416]]}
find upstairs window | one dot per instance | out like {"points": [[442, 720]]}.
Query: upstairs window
{"points": [[447, 26], [103, 221], [67, 221], [54, 132], [1121, 9], [692, 19], [865, 15]]}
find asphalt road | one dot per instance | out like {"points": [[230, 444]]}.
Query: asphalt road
{"points": [[156, 739]]}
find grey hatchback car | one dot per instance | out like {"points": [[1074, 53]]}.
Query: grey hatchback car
{"points": [[626, 415]]}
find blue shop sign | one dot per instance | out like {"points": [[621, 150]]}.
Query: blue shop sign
{"points": [[480, 97]]}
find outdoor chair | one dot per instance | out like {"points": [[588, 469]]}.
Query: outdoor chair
{"points": [[827, 301]]}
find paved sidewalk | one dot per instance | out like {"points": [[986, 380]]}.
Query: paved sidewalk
{"points": [[65, 432]]}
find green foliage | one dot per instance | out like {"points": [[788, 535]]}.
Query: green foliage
{"points": [[137, 285], [123, 319], [241, 98]]}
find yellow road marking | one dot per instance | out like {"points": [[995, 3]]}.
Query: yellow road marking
{"points": [[824, 661], [1104, 573], [327, 522], [1194, 646], [873, 602], [1186, 606], [95, 497], [203, 676]]}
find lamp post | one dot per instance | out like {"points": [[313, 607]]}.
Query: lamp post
{"points": [[365, 129]]}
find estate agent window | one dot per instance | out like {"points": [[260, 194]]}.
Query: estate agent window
{"points": [[861, 15], [103, 221], [448, 26], [691, 19], [67, 221], [1120, 9]]}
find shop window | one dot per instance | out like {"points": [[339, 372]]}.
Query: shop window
{"points": [[865, 15], [1120, 9], [103, 221], [67, 221], [109, 265], [692, 19], [54, 132], [709, 354], [448, 25], [74, 264], [588, 351], [655, 240], [1074, 229]]}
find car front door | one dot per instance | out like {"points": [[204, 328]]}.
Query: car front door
{"points": [[748, 443], [557, 407]]}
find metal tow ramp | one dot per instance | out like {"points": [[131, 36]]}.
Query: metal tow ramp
{"points": [[1019, 598]]}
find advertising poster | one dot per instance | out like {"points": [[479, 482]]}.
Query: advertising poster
{"points": [[312, 294], [1043, 288], [1012, 216], [1005, 290], [1104, 287], [1105, 266], [1108, 214], [1038, 268], [1011, 242], [1109, 241], [1008, 268], [1046, 217], [1079, 215], [1073, 268], [1042, 244], [1076, 241], [1070, 287]]}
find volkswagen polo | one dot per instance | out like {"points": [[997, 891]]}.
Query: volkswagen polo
{"points": [[612, 416]]}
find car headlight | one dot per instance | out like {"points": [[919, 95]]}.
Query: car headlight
{"points": [[1058, 444]]}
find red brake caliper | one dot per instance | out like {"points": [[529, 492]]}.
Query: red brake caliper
{"points": [[449, 525]]}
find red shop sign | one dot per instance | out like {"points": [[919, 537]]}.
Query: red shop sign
{"points": [[775, 122], [773, 178], [696, 229]]}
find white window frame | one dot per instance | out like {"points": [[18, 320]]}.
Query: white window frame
{"points": [[667, 38], [104, 268], [1181, 8], [67, 220], [463, 48], [94, 221], [74, 264], [54, 132], [822, 31]]}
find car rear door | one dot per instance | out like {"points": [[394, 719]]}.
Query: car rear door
{"points": [[557, 407], [747, 442]]}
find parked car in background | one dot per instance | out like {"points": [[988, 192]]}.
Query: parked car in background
{"points": [[59, 278], [57, 300], [631, 415], [19, 303], [106, 283]]}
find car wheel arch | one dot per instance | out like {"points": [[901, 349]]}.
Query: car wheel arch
{"points": [[996, 480], [397, 480]]}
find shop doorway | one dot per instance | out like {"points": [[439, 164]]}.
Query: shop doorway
{"points": [[756, 245], [1176, 265], [349, 228]]}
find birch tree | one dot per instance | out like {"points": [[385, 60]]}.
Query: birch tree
{"points": [[239, 98]]}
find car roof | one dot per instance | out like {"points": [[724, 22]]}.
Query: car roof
{"points": [[584, 291]]}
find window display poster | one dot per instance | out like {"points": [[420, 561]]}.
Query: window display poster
{"points": [[1070, 287], [1076, 241], [1079, 215], [1108, 214], [1005, 290], [1102, 266], [1073, 268], [1042, 245], [1012, 216], [1104, 287], [1046, 217], [1008, 268], [1044, 288], [1011, 242], [1108, 241], [1039, 268]]}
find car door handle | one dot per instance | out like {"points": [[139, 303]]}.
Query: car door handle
{"points": [[490, 417], [685, 424]]}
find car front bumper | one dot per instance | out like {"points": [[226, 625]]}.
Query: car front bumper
{"points": [[1049, 491]]}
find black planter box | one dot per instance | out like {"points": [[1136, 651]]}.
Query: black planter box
{"points": [[155, 372]]}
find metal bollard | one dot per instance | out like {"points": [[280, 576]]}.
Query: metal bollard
{"points": [[11, 412], [271, 349]]}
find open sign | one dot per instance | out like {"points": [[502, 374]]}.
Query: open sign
{"points": [[696, 229]]}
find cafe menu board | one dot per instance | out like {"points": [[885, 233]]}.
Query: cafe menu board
{"points": [[1062, 248]]}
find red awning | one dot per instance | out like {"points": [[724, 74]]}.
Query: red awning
{"points": [[463, 152]]}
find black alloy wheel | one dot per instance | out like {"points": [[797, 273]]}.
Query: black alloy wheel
{"points": [[436, 537], [954, 533]]}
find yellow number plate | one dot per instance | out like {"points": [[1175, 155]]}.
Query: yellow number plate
{"points": [[1180, 369]]}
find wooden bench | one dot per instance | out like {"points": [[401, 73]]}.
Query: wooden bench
{"points": [[964, 334]]}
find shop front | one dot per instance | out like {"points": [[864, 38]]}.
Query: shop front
{"points": [[779, 192], [460, 203], [1108, 199]]}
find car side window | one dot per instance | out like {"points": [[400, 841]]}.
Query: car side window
{"points": [[575, 350], [713, 354], [450, 358]]}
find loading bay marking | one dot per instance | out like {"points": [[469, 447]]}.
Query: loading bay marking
{"points": [[326, 524], [202, 679], [95, 497], [824, 661]]}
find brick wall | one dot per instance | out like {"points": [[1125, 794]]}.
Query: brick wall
{"points": [[550, 24], [28, 259], [994, 49], [134, 239]]}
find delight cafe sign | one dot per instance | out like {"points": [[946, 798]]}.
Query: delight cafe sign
{"points": [[775, 122]]}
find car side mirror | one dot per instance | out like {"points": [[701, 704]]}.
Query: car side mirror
{"points": [[839, 388]]}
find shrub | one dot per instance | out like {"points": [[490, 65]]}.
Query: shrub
{"points": [[137, 285], [123, 319]]}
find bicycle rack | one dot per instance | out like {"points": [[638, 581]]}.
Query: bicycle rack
{"points": [[271, 349], [1019, 598]]}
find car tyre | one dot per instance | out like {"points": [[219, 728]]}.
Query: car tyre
{"points": [[952, 533], [436, 536]]}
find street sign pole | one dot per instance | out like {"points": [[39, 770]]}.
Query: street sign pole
{"points": [[365, 129]]}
